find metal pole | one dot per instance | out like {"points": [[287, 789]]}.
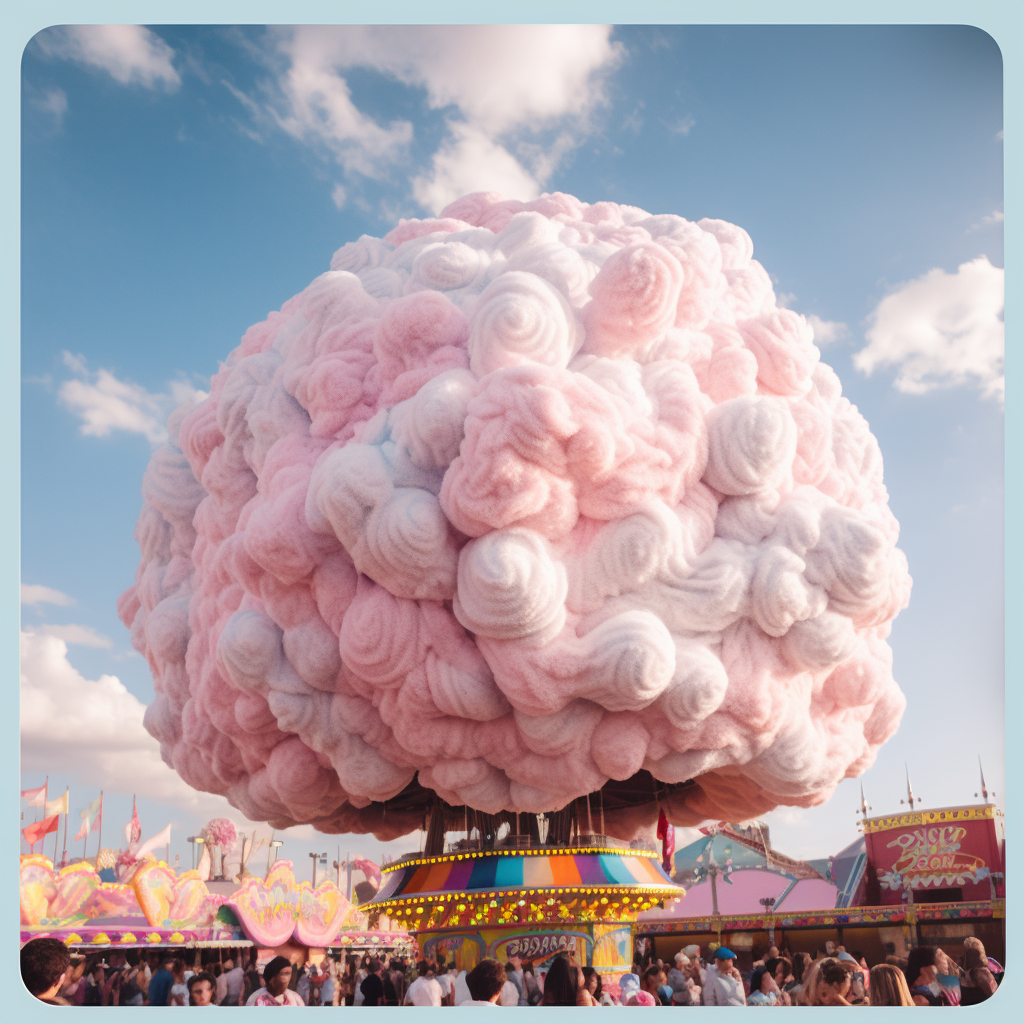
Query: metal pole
{"points": [[67, 808], [99, 837], [269, 848], [348, 877]]}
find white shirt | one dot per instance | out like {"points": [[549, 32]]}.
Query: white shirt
{"points": [[509, 995], [478, 1002], [462, 996], [424, 992], [445, 981], [722, 989]]}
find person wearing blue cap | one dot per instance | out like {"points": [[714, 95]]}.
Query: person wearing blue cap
{"points": [[723, 985]]}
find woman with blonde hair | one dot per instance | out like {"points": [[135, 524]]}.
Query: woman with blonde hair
{"points": [[889, 986]]}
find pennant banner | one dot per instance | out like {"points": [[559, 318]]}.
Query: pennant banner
{"points": [[83, 831], [93, 809], [58, 806], [35, 797], [34, 833], [135, 833]]}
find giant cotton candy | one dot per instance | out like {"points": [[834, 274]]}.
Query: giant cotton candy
{"points": [[514, 502]]}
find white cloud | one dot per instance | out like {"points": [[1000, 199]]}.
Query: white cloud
{"points": [[681, 125], [990, 219], [826, 331], [75, 634], [36, 593], [338, 196], [130, 54], [471, 162], [941, 330], [105, 404], [500, 83], [52, 101], [89, 727]]}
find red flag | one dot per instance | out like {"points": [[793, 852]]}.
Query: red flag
{"points": [[34, 833], [667, 835]]}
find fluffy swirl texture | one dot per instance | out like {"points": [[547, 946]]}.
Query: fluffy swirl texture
{"points": [[515, 502]]}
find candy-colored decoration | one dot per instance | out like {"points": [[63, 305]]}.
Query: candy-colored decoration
{"points": [[277, 910], [525, 472], [75, 885], [153, 885], [38, 888]]}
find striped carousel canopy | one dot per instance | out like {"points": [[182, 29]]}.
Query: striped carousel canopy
{"points": [[493, 871]]}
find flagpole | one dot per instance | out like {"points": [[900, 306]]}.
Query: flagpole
{"points": [[99, 838], [67, 811]]}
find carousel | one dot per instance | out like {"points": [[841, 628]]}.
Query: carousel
{"points": [[526, 886]]}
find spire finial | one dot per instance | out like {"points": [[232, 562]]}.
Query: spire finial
{"points": [[984, 789], [911, 799]]}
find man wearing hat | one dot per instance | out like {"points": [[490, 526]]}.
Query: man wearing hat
{"points": [[723, 985], [275, 992]]}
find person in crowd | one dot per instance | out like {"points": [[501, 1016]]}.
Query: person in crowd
{"points": [[485, 982], [362, 973], [782, 971], [723, 985], [638, 997], [531, 986], [372, 987], [888, 986], [95, 979], [594, 987], [330, 985], [978, 981], [514, 974], [921, 974], [994, 966], [45, 965], [201, 987], [426, 989], [161, 981], [252, 981], [763, 989], [561, 985], [178, 994], [509, 991], [828, 984], [654, 980], [679, 981], [277, 976], [231, 984]]}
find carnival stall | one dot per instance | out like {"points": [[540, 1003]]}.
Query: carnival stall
{"points": [[156, 907]]}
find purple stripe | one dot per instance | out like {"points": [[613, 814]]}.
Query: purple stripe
{"points": [[458, 877], [589, 867]]}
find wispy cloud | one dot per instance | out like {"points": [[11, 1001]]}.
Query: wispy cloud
{"points": [[499, 87], [338, 196], [989, 220], [51, 101], [106, 404], [36, 593], [75, 634], [130, 54], [941, 330], [681, 125]]}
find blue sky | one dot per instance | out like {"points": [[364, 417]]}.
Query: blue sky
{"points": [[179, 183]]}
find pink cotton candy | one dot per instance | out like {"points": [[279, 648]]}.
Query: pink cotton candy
{"points": [[512, 503]]}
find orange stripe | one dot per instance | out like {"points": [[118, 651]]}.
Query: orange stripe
{"points": [[417, 881], [564, 871], [437, 875]]}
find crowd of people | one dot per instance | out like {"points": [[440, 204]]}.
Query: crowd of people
{"points": [[928, 976]]}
